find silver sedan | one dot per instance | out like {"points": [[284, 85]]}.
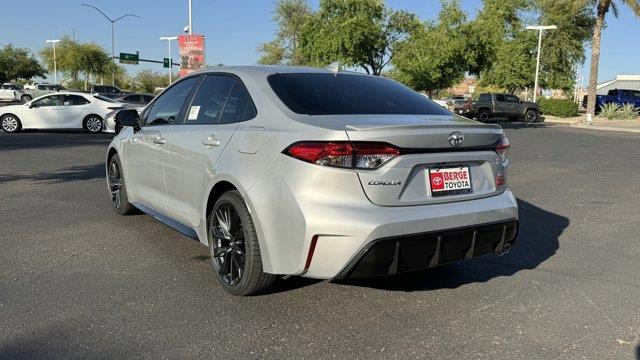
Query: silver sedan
{"points": [[311, 172]]}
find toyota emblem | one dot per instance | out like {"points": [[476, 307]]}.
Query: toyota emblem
{"points": [[456, 138]]}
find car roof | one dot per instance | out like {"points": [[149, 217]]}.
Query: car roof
{"points": [[266, 70]]}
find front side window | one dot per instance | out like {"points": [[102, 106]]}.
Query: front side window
{"points": [[53, 100], [329, 94], [208, 102], [485, 97], [512, 98], [132, 98], [499, 97], [167, 106]]}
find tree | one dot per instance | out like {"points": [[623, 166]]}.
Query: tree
{"points": [[148, 80], [290, 15], [433, 56], [358, 33], [602, 8], [18, 63]]}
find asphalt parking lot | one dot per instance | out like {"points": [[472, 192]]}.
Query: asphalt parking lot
{"points": [[78, 281]]}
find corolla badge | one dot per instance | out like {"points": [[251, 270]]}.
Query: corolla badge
{"points": [[456, 138]]}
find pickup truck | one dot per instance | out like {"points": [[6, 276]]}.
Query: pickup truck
{"points": [[14, 92], [499, 105], [616, 96]]}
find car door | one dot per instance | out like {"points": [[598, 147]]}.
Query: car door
{"points": [[43, 113], [514, 108], [146, 148], [501, 105], [72, 111], [195, 146]]}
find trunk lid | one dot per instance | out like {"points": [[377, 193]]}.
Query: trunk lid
{"points": [[425, 144]]}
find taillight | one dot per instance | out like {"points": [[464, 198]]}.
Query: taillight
{"points": [[343, 154], [502, 146]]}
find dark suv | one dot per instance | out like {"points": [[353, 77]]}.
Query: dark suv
{"points": [[503, 105]]}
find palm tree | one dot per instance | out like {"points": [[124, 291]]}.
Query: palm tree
{"points": [[603, 7]]}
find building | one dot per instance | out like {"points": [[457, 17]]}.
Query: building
{"points": [[628, 82]]}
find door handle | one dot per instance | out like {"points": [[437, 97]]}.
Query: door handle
{"points": [[159, 140], [211, 141]]}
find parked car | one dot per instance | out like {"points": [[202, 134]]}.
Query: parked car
{"points": [[500, 105], [135, 99], [58, 111], [616, 96], [107, 90], [10, 92], [302, 171], [14, 92]]}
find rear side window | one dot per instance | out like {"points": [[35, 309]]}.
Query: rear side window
{"points": [[75, 100], [239, 106], [208, 102], [329, 94]]}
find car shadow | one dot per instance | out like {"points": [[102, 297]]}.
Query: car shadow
{"points": [[537, 241], [74, 173], [51, 139]]}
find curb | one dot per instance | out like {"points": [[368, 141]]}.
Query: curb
{"points": [[576, 124]]}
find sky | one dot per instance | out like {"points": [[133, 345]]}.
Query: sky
{"points": [[233, 28]]}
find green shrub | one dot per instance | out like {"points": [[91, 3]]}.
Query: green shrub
{"points": [[627, 111], [609, 110], [559, 108]]}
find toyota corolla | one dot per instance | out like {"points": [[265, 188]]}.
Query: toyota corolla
{"points": [[312, 172]]}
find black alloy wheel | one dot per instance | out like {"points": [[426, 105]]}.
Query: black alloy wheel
{"points": [[228, 251]]}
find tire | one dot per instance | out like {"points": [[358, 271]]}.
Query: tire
{"points": [[530, 116], [118, 188], [483, 115], [234, 248], [92, 124], [10, 123], [26, 98]]}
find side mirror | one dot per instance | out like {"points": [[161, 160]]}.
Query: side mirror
{"points": [[128, 117]]}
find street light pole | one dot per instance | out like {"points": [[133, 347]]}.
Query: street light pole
{"points": [[113, 42], [540, 29], [55, 65], [190, 23], [168, 39]]}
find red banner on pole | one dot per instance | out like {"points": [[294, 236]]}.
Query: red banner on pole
{"points": [[191, 53]]}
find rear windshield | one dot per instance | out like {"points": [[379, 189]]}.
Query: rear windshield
{"points": [[328, 94]]}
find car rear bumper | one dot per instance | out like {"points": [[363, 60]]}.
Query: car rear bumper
{"points": [[387, 240], [404, 253]]}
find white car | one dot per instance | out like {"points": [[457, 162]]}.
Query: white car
{"points": [[59, 111]]}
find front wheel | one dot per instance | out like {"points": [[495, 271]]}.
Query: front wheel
{"points": [[93, 124], [531, 116], [234, 248], [10, 123], [26, 98]]}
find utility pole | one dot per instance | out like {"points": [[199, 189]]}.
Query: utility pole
{"points": [[168, 39], [540, 29], [113, 43], [55, 64]]}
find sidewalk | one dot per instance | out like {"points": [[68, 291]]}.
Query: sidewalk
{"points": [[632, 126]]}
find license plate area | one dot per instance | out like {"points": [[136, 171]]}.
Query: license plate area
{"points": [[449, 180]]}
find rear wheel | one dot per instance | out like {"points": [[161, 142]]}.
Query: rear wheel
{"points": [[93, 124], [483, 115], [26, 98], [10, 123], [117, 187], [531, 116], [234, 248]]}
